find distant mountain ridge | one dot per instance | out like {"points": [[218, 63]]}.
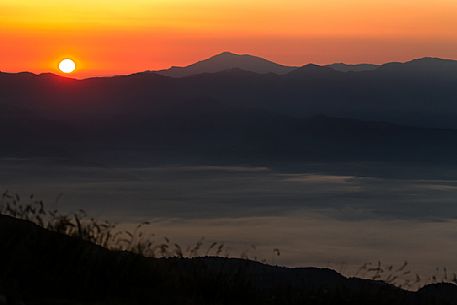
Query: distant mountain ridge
{"points": [[228, 61], [342, 67], [236, 114]]}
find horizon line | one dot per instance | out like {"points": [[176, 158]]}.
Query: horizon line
{"points": [[157, 72]]}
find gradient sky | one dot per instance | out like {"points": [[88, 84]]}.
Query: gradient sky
{"points": [[123, 36]]}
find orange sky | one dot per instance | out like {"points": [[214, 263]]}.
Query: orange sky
{"points": [[123, 36]]}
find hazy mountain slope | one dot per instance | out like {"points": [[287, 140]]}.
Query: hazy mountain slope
{"points": [[241, 114], [420, 92], [213, 130], [352, 68]]}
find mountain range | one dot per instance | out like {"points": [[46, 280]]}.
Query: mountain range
{"points": [[240, 107], [227, 61], [246, 62]]}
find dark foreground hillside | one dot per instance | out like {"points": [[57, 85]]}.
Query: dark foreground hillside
{"points": [[42, 267]]}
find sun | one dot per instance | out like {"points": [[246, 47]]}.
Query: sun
{"points": [[67, 65]]}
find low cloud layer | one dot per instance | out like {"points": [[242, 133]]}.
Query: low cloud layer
{"points": [[319, 215]]}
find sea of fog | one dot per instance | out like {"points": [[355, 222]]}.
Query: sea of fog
{"points": [[329, 215]]}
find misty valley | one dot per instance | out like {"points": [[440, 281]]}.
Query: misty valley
{"points": [[257, 183]]}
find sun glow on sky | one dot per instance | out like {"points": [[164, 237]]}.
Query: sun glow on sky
{"points": [[123, 36]]}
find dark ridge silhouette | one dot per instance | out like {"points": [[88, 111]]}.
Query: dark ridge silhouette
{"points": [[353, 68], [215, 131], [419, 93], [42, 267], [312, 71], [227, 61], [426, 64], [240, 115]]}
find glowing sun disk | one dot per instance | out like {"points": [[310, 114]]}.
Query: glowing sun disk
{"points": [[67, 66]]}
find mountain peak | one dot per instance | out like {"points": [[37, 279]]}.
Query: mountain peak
{"points": [[312, 70], [342, 67], [423, 65], [227, 53], [428, 61], [228, 61], [235, 58]]}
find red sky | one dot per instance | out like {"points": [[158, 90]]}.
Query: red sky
{"points": [[124, 36]]}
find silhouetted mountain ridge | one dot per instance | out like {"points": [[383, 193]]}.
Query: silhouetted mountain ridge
{"points": [[42, 267], [227, 61], [342, 67], [242, 114]]}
